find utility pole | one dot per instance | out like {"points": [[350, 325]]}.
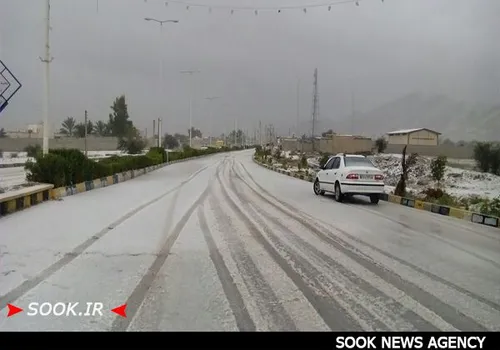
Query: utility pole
{"points": [[160, 38], [154, 128], [86, 124], [260, 133], [47, 59], [315, 106], [235, 132], [298, 109], [210, 99], [159, 131], [190, 73], [352, 112]]}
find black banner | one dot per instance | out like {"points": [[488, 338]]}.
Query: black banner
{"points": [[257, 340]]}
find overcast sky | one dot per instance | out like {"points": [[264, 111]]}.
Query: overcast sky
{"points": [[379, 50]]}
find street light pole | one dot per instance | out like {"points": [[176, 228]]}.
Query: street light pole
{"points": [[86, 123], [190, 73], [47, 59], [210, 99], [160, 22]]}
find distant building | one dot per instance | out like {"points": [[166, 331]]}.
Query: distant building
{"points": [[219, 143], [419, 136]]}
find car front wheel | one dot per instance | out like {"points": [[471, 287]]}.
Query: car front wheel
{"points": [[317, 188]]}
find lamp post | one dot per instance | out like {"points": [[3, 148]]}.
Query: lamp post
{"points": [[47, 59], [190, 73], [161, 22], [210, 99]]}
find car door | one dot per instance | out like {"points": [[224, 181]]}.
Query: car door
{"points": [[334, 173], [322, 174], [326, 181]]}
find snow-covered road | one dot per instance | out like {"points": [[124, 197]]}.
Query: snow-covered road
{"points": [[219, 243], [10, 177]]}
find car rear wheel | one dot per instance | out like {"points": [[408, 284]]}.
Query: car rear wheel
{"points": [[338, 193], [374, 198], [317, 188]]}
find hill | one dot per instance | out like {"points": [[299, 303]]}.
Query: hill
{"points": [[454, 119]]}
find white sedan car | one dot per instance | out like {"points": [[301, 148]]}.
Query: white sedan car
{"points": [[350, 174]]}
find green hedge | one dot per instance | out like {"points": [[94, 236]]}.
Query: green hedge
{"points": [[67, 167]]}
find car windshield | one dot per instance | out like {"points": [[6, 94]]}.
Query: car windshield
{"points": [[357, 161]]}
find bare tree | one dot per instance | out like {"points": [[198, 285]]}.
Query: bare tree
{"points": [[406, 165]]}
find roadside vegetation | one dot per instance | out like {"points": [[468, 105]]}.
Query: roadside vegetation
{"points": [[67, 167], [434, 191]]}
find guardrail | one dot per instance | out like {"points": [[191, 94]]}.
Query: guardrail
{"points": [[444, 210]]}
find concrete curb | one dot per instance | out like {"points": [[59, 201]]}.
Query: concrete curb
{"points": [[412, 203], [11, 202]]}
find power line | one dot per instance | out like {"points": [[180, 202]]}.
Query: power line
{"points": [[328, 4]]}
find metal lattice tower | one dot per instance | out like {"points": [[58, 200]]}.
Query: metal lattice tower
{"points": [[315, 106]]}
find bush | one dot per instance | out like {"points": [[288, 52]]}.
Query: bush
{"points": [[33, 150], [487, 156], [433, 193], [491, 207], [67, 167], [13, 155], [50, 168], [157, 153], [303, 162], [438, 167]]}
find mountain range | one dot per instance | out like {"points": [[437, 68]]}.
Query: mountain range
{"points": [[456, 120]]}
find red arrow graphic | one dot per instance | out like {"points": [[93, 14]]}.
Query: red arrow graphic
{"points": [[13, 310], [120, 310]]}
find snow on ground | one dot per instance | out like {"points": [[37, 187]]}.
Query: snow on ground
{"points": [[22, 157], [14, 158], [457, 182], [12, 179]]}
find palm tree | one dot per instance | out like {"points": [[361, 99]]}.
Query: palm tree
{"points": [[68, 126], [101, 128]]}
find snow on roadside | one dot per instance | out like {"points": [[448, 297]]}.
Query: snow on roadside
{"points": [[12, 179], [22, 157], [457, 181]]}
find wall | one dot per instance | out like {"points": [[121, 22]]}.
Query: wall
{"points": [[351, 144], [93, 143], [423, 137], [332, 145], [450, 151], [398, 139]]}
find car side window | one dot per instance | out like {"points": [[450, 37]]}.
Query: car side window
{"points": [[329, 164], [336, 163]]}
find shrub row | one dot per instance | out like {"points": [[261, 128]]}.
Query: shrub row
{"points": [[67, 167]]}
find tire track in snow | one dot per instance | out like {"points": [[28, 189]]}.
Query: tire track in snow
{"points": [[332, 314], [327, 225], [136, 298], [448, 313], [267, 302], [243, 320], [390, 311], [31, 283]]}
